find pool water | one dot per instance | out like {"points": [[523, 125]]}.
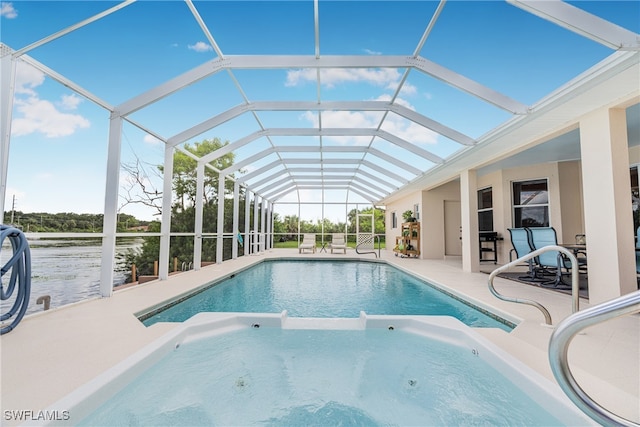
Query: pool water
{"points": [[304, 377], [327, 289]]}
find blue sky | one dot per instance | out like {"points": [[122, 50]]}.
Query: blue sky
{"points": [[58, 149]]}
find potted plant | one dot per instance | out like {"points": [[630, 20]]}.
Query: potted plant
{"points": [[408, 216]]}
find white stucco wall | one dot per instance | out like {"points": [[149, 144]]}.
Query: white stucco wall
{"points": [[400, 206]]}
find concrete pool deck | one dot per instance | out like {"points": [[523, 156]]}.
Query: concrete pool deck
{"points": [[52, 353]]}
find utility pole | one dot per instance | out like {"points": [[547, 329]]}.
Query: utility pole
{"points": [[13, 208]]}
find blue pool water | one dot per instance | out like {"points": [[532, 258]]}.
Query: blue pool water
{"points": [[274, 377], [326, 289]]}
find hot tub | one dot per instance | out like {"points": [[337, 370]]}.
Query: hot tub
{"points": [[271, 369]]}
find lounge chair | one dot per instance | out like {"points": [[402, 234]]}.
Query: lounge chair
{"points": [[308, 242], [521, 242], [552, 261], [338, 242]]}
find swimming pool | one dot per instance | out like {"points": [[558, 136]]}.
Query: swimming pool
{"points": [[324, 289], [270, 369]]}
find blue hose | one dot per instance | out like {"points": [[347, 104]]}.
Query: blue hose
{"points": [[20, 266]]}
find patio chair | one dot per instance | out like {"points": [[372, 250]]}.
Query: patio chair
{"points": [[521, 242], [338, 242], [551, 262], [308, 242]]}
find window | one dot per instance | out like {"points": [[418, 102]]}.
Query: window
{"points": [[394, 220], [531, 203], [416, 211], [485, 209]]}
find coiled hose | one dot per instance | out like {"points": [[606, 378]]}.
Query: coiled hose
{"points": [[20, 266]]}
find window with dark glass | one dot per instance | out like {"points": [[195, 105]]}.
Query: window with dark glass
{"points": [[531, 203], [394, 220], [485, 209]]}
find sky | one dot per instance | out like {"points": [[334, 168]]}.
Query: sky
{"points": [[58, 151]]}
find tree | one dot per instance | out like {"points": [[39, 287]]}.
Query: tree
{"points": [[365, 223], [185, 172], [139, 188], [184, 183]]}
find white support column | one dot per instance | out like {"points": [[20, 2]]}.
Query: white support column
{"points": [[7, 86], [263, 225], [197, 239], [299, 210], [469, 214], [247, 222], [271, 234], [236, 214], [322, 216], [267, 225], [256, 223], [607, 204], [165, 226], [110, 222], [220, 233]]}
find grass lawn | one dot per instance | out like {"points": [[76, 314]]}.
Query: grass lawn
{"points": [[293, 244]]}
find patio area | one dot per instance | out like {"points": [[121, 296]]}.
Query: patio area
{"points": [[105, 331], [302, 109]]}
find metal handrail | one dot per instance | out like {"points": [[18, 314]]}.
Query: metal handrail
{"points": [[575, 284], [558, 349]]}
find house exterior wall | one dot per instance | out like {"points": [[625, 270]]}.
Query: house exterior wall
{"points": [[405, 204], [501, 181], [566, 204], [500, 206], [433, 220], [572, 206], [634, 155]]}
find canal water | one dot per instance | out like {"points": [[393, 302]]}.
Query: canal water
{"points": [[68, 270]]}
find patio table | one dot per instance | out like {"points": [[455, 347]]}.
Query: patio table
{"points": [[575, 248]]}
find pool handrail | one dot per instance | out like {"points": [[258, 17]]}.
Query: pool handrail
{"points": [[559, 346], [575, 284]]}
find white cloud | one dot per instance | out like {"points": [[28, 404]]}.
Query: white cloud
{"points": [[70, 102], [386, 78], [407, 89], [150, 139], [406, 129], [330, 77], [38, 115], [200, 47], [409, 131], [7, 10], [393, 123], [27, 79], [346, 119]]}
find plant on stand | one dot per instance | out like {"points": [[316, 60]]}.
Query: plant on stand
{"points": [[408, 216]]}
